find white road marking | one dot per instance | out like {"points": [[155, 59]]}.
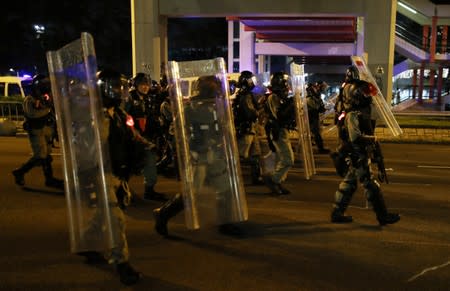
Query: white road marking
{"points": [[426, 270], [434, 167]]}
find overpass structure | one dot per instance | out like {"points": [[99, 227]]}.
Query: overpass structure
{"points": [[321, 34]]}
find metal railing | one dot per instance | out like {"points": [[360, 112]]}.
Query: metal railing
{"points": [[12, 111]]}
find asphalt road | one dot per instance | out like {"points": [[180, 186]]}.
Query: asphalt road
{"points": [[289, 244]]}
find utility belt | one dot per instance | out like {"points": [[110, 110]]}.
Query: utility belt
{"points": [[38, 123], [245, 127]]}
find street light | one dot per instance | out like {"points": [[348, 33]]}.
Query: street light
{"points": [[39, 29], [14, 71]]}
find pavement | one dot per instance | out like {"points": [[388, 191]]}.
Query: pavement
{"points": [[289, 242]]}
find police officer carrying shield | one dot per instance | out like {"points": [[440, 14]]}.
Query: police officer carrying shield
{"points": [[139, 106], [356, 138], [245, 111], [120, 134], [281, 110], [40, 125], [168, 134], [315, 108], [206, 151]]}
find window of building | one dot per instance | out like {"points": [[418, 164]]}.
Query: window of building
{"points": [[236, 29], [236, 49]]}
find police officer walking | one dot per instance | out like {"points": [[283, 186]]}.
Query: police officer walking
{"points": [[168, 134], [140, 108], [356, 139], [281, 110], [315, 108], [119, 135], [245, 111], [209, 166], [40, 125]]}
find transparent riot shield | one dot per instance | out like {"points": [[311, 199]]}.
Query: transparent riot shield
{"points": [[329, 103], [304, 133], [81, 128], [208, 157], [383, 109]]}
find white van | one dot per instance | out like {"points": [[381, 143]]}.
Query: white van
{"points": [[14, 86], [187, 84]]}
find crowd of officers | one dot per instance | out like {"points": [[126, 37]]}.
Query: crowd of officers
{"points": [[270, 115]]}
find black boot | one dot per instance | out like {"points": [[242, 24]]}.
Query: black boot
{"points": [[51, 181], [283, 189], [19, 177], [383, 216], [93, 258], [342, 201], [231, 229], [255, 171], [167, 211], [338, 217], [274, 187], [389, 218], [19, 173], [151, 194], [128, 275]]}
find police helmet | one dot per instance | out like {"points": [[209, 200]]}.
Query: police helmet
{"points": [[141, 78], [112, 86], [41, 87], [310, 88], [351, 74], [246, 81], [232, 84], [321, 86], [208, 86], [279, 82]]}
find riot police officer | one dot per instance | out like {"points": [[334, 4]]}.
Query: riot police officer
{"points": [[315, 108], [168, 134], [206, 152], [120, 134], [281, 110], [40, 125], [356, 138], [139, 106], [245, 111]]}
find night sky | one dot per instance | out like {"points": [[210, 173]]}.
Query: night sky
{"points": [[110, 24]]}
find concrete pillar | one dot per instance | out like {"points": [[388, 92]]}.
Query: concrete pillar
{"points": [[421, 78], [230, 45], [261, 64], [439, 85], [149, 37], [444, 39], [433, 37], [379, 43], [246, 50], [425, 45], [359, 48]]}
